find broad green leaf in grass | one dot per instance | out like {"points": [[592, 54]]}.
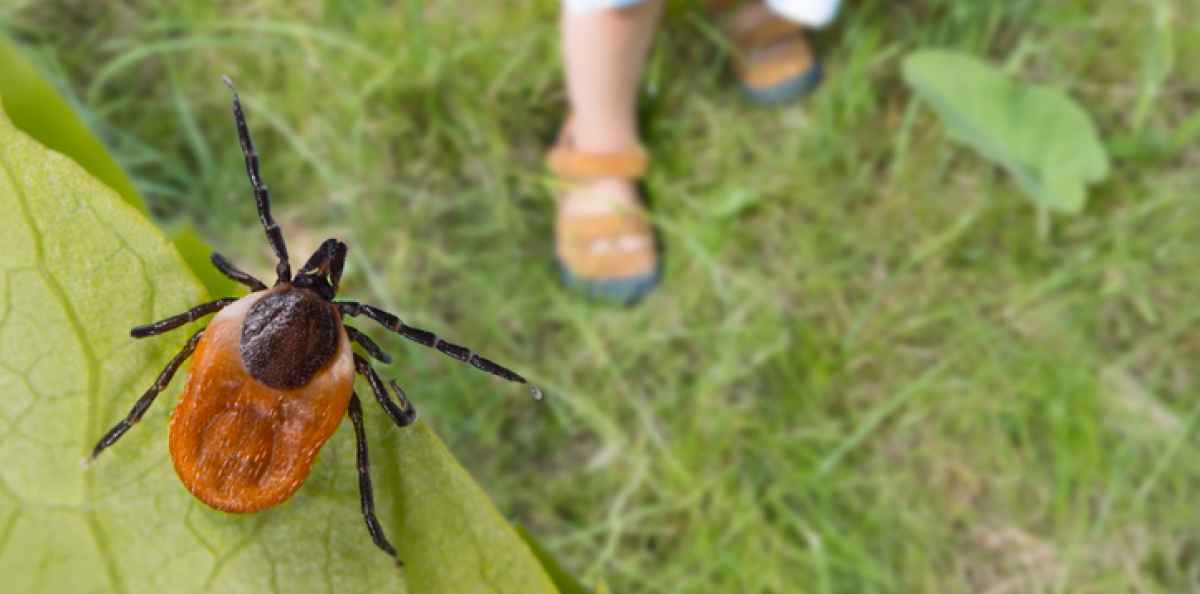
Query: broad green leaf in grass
{"points": [[565, 582], [452, 539], [1039, 134], [196, 254], [36, 109], [81, 267]]}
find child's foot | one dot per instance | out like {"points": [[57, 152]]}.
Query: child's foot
{"points": [[604, 244], [774, 62]]}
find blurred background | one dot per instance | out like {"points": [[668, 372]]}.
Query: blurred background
{"points": [[873, 366]]}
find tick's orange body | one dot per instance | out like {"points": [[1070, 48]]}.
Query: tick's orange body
{"points": [[240, 445]]}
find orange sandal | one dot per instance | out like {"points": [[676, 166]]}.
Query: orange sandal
{"points": [[774, 62], [606, 253]]}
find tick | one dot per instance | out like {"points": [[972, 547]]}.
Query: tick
{"points": [[272, 375]]}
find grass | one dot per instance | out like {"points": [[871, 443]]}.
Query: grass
{"points": [[865, 371]]}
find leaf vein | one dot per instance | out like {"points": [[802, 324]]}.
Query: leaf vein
{"points": [[93, 367]]}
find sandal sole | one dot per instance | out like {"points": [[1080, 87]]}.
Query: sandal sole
{"points": [[788, 90], [622, 291]]}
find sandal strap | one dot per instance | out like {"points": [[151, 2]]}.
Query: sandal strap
{"points": [[572, 164], [579, 237], [589, 228], [777, 63]]}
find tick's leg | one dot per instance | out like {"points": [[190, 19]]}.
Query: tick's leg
{"points": [[143, 403], [365, 492], [402, 414], [367, 344], [228, 269], [283, 270], [429, 339], [176, 321]]}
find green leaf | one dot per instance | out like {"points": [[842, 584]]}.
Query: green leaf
{"points": [[565, 582], [81, 267], [1039, 134], [196, 254], [35, 108], [79, 264], [451, 538]]}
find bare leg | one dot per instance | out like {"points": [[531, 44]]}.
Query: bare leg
{"points": [[604, 52]]}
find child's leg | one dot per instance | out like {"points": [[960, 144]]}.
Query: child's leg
{"points": [[603, 241], [604, 52]]}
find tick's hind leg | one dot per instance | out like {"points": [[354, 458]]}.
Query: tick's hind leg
{"points": [[404, 413], [143, 403], [236, 274], [178, 320], [365, 491], [431, 340]]}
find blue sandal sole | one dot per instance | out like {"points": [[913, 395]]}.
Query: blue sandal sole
{"points": [[622, 291], [788, 90]]}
